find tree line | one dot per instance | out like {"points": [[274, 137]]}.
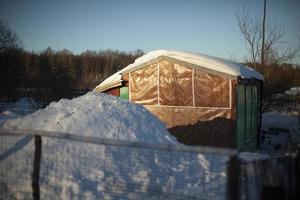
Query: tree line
{"points": [[277, 77], [51, 75]]}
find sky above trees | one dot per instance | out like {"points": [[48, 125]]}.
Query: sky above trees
{"points": [[208, 27]]}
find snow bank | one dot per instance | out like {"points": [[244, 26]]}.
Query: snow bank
{"points": [[279, 130], [79, 170], [248, 156], [294, 91], [22, 106], [278, 121], [97, 115]]}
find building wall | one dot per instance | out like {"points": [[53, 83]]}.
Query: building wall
{"points": [[113, 91], [189, 100]]}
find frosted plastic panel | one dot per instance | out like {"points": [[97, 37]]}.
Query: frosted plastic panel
{"points": [[180, 116], [205, 126], [175, 85], [211, 90], [143, 85]]}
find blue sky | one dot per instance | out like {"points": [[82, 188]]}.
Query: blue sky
{"points": [[204, 26]]}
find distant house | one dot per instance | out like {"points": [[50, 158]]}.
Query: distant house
{"points": [[203, 100]]}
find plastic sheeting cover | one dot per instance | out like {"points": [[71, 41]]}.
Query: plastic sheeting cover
{"points": [[175, 85], [143, 85], [181, 116], [194, 115], [211, 90]]}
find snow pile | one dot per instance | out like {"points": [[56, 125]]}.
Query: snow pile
{"points": [[278, 121], [204, 61], [97, 115], [294, 91], [278, 131], [22, 106], [248, 156], [79, 170]]}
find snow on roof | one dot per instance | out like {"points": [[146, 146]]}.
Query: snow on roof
{"points": [[97, 115], [204, 61]]}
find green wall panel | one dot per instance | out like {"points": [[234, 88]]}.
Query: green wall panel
{"points": [[248, 113], [124, 93], [247, 117], [255, 116], [240, 116]]}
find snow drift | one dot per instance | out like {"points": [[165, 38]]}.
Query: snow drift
{"points": [[80, 170], [97, 115], [22, 106]]}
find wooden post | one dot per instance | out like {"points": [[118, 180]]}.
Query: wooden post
{"points": [[233, 177], [36, 167], [297, 172], [263, 35]]}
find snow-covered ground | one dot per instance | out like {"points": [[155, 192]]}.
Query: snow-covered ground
{"points": [[280, 129], [21, 107], [78, 170]]}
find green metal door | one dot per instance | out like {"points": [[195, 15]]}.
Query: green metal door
{"points": [[124, 93], [248, 113], [247, 117], [255, 117], [241, 94]]}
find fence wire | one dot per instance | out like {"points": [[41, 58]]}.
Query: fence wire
{"points": [[16, 158], [106, 169]]}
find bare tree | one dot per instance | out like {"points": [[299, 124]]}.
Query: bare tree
{"points": [[8, 38], [252, 34], [270, 49]]}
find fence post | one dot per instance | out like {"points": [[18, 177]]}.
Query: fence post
{"points": [[297, 172], [233, 177], [36, 167]]}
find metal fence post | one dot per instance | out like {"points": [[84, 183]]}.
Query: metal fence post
{"points": [[233, 177], [36, 167]]}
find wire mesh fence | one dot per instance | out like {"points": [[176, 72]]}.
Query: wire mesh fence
{"points": [[44, 165], [16, 160], [75, 167]]}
